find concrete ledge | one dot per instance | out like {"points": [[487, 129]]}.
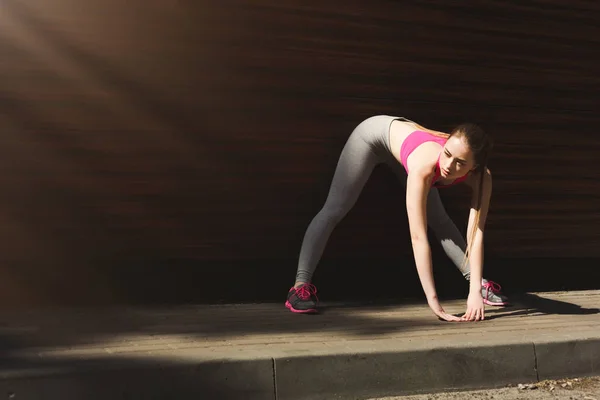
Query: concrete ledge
{"points": [[341, 376], [570, 358], [251, 380], [386, 374]]}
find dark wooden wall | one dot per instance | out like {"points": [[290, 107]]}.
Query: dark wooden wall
{"points": [[154, 149]]}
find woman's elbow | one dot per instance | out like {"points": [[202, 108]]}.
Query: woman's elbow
{"points": [[418, 238]]}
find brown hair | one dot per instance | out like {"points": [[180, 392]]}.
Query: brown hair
{"points": [[481, 145]]}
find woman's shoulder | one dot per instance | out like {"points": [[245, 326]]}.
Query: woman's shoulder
{"points": [[424, 158]]}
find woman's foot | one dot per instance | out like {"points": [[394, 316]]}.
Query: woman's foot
{"points": [[302, 299], [490, 291]]}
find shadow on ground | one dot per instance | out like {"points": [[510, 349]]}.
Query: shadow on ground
{"points": [[530, 304]]}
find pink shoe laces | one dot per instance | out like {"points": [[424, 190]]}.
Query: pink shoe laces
{"points": [[305, 291], [491, 286]]}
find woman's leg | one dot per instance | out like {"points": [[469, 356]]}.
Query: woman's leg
{"points": [[354, 167], [361, 153]]}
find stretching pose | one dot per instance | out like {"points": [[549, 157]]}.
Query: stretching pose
{"points": [[424, 160]]}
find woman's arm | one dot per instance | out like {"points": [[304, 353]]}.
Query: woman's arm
{"points": [[476, 258], [418, 185], [476, 238]]}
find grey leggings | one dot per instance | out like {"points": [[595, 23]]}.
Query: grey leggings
{"points": [[367, 146]]}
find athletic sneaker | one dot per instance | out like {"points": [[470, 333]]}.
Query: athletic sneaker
{"points": [[491, 294], [302, 299]]}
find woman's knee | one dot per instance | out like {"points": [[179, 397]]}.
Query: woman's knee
{"points": [[334, 212]]}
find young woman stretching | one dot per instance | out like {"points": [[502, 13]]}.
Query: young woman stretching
{"points": [[424, 160]]}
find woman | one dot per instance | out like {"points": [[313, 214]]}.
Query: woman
{"points": [[425, 160]]}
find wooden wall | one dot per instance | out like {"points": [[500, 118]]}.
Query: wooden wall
{"points": [[140, 139]]}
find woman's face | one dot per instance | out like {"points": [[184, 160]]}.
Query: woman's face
{"points": [[456, 159]]}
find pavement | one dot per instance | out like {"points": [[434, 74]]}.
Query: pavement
{"points": [[262, 351], [587, 388]]}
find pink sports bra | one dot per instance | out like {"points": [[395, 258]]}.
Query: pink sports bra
{"points": [[414, 140]]}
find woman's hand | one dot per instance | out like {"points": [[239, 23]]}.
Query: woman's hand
{"points": [[475, 308], [439, 311]]}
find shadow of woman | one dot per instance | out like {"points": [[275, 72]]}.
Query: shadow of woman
{"points": [[528, 303]]}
